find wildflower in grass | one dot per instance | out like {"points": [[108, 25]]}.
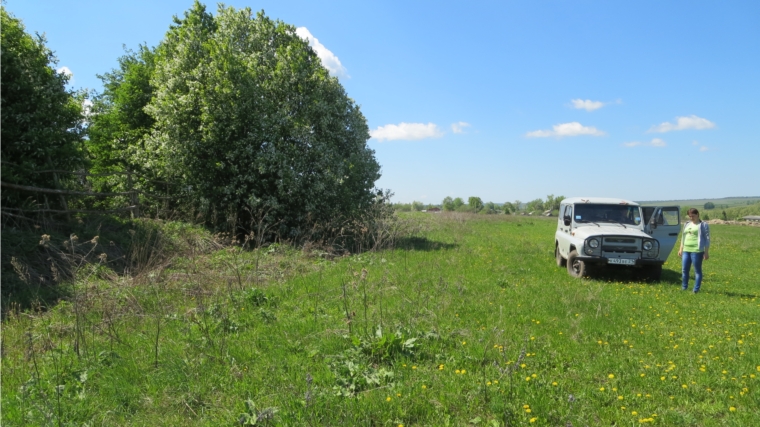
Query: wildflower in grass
{"points": [[601, 388], [620, 398], [398, 394], [464, 342], [457, 371], [527, 378], [463, 372], [523, 365], [684, 386], [414, 367], [611, 376], [528, 411], [533, 420], [642, 375], [526, 406], [388, 399], [732, 409], [554, 384], [424, 386], [440, 367], [634, 413]]}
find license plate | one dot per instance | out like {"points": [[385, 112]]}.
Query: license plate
{"points": [[623, 261]]}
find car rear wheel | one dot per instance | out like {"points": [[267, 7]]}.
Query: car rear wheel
{"points": [[575, 267], [558, 257]]}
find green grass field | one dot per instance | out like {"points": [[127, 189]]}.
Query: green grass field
{"points": [[467, 322]]}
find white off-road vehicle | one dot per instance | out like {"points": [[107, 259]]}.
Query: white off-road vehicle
{"points": [[597, 231]]}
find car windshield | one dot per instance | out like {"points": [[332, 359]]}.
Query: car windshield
{"points": [[621, 214]]}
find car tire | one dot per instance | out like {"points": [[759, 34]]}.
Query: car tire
{"points": [[561, 262], [575, 267]]}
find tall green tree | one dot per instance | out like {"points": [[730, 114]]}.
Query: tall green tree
{"points": [[448, 204], [247, 117], [458, 203], [475, 204], [42, 120], [119, 125]]}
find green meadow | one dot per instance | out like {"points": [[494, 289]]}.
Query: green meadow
{"points": [[466, 321]]}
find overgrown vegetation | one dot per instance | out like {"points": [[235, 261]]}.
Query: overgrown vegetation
{"points": [[467, 321]]}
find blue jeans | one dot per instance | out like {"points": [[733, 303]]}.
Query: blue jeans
{"points": [[687, 260]]}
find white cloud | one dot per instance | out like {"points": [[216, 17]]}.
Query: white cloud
{"points": [[588, 105], [65, 71], [329, 60], [566, 129], [87, 107], [406, 131], [459, 127], [655, 142], [703, 148], [683, 123]]}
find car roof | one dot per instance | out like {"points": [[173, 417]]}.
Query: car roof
{"points": [[599, 200]]}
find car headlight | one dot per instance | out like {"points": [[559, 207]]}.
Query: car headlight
{"points": [[647, 246], [593, 243]]}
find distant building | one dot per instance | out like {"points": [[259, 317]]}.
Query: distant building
{"points": [[434, 210]]}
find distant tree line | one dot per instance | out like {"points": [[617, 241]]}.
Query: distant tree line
{"points": [[476, 205]]}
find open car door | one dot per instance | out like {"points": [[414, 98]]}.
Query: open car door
{"points": [[663, 223]]}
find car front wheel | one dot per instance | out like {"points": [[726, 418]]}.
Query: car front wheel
{"points": [[575, 267]]}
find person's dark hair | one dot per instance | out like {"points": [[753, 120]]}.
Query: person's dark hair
{"points": [[693, 211]]}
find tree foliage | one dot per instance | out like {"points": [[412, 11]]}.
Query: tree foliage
{"points": [[240, 111], [709, 205], [120, 126], [41, 119], [448, 204], [475, 204]]}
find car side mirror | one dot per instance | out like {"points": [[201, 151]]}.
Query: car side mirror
{"points": [[653, 222], [567, 220]]}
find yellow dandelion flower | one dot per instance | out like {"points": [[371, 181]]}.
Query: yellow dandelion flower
{"points": [[463, 371], [533, 420], [620, 397], [611, 376], [732, 409], [424, 386], [527, 378], [528, 411], [554, 383], [526, 406], [634, 413], [388, 399], [601, 388]]}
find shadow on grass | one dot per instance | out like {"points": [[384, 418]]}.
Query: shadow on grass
{"points": [[633, 275], [422, 244], [727, 293]]}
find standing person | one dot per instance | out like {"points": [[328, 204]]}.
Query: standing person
{"points": [[695, 247]]}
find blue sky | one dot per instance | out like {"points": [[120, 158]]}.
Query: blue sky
{"points": [[505, 100]]}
